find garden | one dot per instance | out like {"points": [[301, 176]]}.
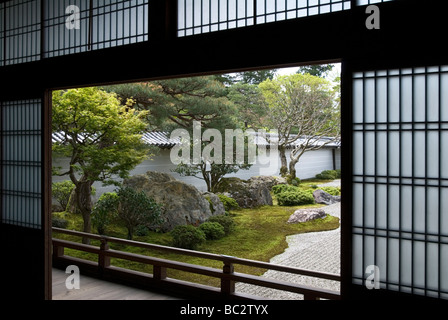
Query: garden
{"points": [[252, 233], [100, 131]]}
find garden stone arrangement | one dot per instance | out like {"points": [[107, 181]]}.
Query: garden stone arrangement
{"points": [[183, 204], [304, 215], [317, 251]]}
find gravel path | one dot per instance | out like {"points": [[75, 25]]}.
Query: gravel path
{"points": [[317, 251]]}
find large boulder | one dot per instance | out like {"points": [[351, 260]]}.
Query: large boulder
{"points": [[323, 197], [182, 203], [247, 193], [216, 206], [304, 215], [268, 181]]}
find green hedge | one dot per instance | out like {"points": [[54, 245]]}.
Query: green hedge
{"points": [[329, 174], [212, 230], [280, 188], [187, 237], [295, 198], [226, 221]]}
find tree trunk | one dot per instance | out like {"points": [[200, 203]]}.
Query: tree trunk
{"points": [[292, 168], [283, 161], [83, 193], [130, 232]]}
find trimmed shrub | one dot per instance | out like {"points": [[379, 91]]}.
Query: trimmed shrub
{"points": [[187, 237], [280, 188], [328, 175], [212, 230], [294, 198], [225, 221], [104, 211], [228, 202], [141, 231], [136, 208], [59, 222]]}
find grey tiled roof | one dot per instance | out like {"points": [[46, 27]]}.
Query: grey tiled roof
{"points": [[162, 140]]}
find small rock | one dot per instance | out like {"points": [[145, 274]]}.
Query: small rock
{"points": [[323, 197], [304, 215]]}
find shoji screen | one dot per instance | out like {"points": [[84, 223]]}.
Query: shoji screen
{"points": [[99, 24], [400, 178], [20, 31], [21, 163], [201, 16]]}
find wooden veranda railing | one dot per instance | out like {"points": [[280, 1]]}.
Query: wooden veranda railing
{"points": [[159, 279]]}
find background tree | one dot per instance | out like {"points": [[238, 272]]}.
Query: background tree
{"points": [[302, 108], [101, 137], [176, 103], [316, 70], [249, 102], [212, 165], [255, 77], [211, 173], [61, 192]]}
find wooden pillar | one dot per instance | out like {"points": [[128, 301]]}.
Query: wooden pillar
{"points": [[227, 285], [159, 273], [103, 258]]}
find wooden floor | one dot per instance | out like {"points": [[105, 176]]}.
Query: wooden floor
{"points": [[95, 289]]}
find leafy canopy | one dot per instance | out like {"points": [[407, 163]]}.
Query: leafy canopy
{"points": [[101, 136]]}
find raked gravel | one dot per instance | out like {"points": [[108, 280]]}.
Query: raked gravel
{"points": [[316, 251]]}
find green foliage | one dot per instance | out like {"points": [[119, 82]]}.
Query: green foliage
{"points": [[304, 105], [141, 231], [338, 173], [187, 237], [61, 192], [292, 181], [101, 137], [59, 222], [213, 167], [280, 188], [249, 101], [104, 211], [329, 175], [228, 202], [175, 103], [294, 198], [316, 70], [225, 221], [334, 191], [212, 230], [136, 208]]}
